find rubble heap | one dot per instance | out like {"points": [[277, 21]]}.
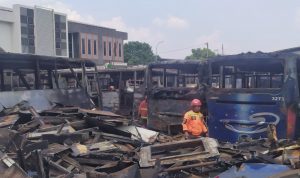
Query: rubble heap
{"points": [[75, 142]]}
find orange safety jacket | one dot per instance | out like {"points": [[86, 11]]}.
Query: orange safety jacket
{"points": [[193, 123], [143, 109]]}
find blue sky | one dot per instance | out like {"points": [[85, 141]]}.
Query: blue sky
{"points": [[241, 26]]}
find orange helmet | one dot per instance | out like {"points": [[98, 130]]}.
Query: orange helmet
{"points": [[196, 102]]}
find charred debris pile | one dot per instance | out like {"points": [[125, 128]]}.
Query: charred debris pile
{"points": [[74, 142]]}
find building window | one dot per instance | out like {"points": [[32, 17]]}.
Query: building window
{"points": [[70, 45], [115, 49], [60, 35], [95, 47], [27, 30], [104, 48], [24, 41], [63, 45], [30, 12], [23, 19], [57, 45], [83, 46], [120, 50], [24, 31], [89, 47], [109, 48], [30, 30], [31, 42], [30, 20], [63, 36]]}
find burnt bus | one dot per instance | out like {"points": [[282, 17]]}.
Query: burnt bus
{"points": [[117, 90], [248, 92], [170, 87], [36, 79], [122, 89]]}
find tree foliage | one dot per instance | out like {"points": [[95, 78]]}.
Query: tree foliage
{"points": [[200, 54], [136, 53]]}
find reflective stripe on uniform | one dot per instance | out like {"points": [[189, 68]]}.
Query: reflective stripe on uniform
{"points": [[144, 118]]}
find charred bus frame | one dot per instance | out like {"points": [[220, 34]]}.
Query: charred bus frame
{"points": [[118, 90], [35, 79], [171, 85], [122, 89]]}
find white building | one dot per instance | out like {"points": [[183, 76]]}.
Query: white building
{"points": [[33, 30]]}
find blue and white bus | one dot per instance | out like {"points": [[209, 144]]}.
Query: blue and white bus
{"points": [[250, 91]]}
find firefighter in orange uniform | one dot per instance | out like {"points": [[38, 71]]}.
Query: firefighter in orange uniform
{"points": [[143, 111], [193, 122]]}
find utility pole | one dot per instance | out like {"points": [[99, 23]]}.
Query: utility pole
{"points": [[158, 43], [207, 49], [222, 50]]}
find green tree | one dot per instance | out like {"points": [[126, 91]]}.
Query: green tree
{"points": [[136, 53], [201, 54]]}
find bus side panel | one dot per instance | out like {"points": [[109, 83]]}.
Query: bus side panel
{"points": [[44, 99], [234, 115]]}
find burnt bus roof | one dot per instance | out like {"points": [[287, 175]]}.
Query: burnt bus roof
{"points": [[176, 63], [295, 50], [29, 61], [258, 56], [263, 61]]}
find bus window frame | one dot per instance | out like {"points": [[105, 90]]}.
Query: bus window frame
{"points": [[164, 77], [223, 73]]}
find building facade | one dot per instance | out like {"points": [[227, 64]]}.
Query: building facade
{"points": [[42, 31], [103, 45], [33, 30]]}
